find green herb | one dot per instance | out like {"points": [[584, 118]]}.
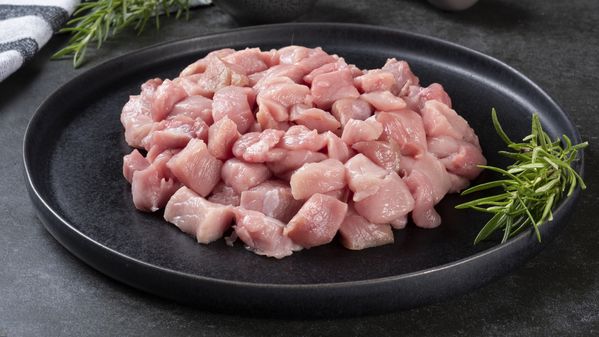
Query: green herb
{"points": [[95, 21], [531, 187]]}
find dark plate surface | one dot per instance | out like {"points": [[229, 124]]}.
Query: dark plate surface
{"points": [[73, 155]]}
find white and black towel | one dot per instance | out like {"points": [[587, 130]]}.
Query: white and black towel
{"points": [[26, 25]]}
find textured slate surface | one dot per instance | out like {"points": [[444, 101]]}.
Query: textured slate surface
{"points": [[45, 291]]}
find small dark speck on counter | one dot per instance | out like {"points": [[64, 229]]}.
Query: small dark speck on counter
{"points": [[45, 291]]}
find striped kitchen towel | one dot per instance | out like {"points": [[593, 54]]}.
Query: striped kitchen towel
{"points": [[26, 25]]}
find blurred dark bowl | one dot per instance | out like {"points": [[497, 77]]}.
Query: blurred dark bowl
{"points": [[265, 11]]}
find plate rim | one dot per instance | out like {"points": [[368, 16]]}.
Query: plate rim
{"points": [[35, 193]]}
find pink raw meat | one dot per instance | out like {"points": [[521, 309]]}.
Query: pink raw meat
{"points": [[250, 60], [294, 159], [330, 87], [194, 107], [166, 96], [358, 233], [221, 137], [405, 129], [337, 148], [273, 198], [317, 222], [175, 133], [375, 80], [417, 96], [136, 117], [404, 77], [299, 137], [381, 153], [224, 195], [314, 119], [384, 100], [234, 103], [242, 176], [153, 186], [132, 162], [441, 120], [359, 131], [200, 65], [325, 176], [196, 168], [459, 157], [263, 235], [351, 108], [194, 215]]}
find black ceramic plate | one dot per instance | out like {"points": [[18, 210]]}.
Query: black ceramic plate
{"points": [[73, 155]]}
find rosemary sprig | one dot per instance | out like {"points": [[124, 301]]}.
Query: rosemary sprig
{"points": [[531, 187], [96, 21]]}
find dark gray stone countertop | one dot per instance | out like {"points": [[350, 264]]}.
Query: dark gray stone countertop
{"points": [[46, 291]]}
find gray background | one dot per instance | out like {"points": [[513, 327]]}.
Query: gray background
{"points": [[45, 291]]}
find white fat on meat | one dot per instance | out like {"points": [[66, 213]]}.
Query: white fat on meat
{"points": [[317, 222], [194, 215]]}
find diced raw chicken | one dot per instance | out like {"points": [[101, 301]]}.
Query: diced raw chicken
{"points": [[275, 100], [258, 147], [200, 65], [326, 68], [405, 129], [441, 120], [400, 223], [459, 157], [417, 96], [325, 176], [221, 137], [317, 222], [299, 137], [166, 96], [404, 77], [194, 215], [132, 162], [262, 79], [384, 100], [294, 159], [234, 103], [273, 198], [358, 233], [375, 80], [330, 87], [381, 153], [432, 168], [358, 131], [424, 214], [242, 176], [194, 107], [196, 168], [308, 59], [175, 133], [363, 176], [220, 74], [351, 108], [251, 60], [224, 195], [379, 195], [314, 118], [458, 183], [153, 186], [391, 201], [263, 235], [194, 86], [136, 117], [337, 148]]}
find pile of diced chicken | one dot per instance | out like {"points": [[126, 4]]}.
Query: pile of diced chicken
{"points": [[286, 148]]}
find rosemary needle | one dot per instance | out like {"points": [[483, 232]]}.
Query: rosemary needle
{"points": [[96, 21], [539, 178]]}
